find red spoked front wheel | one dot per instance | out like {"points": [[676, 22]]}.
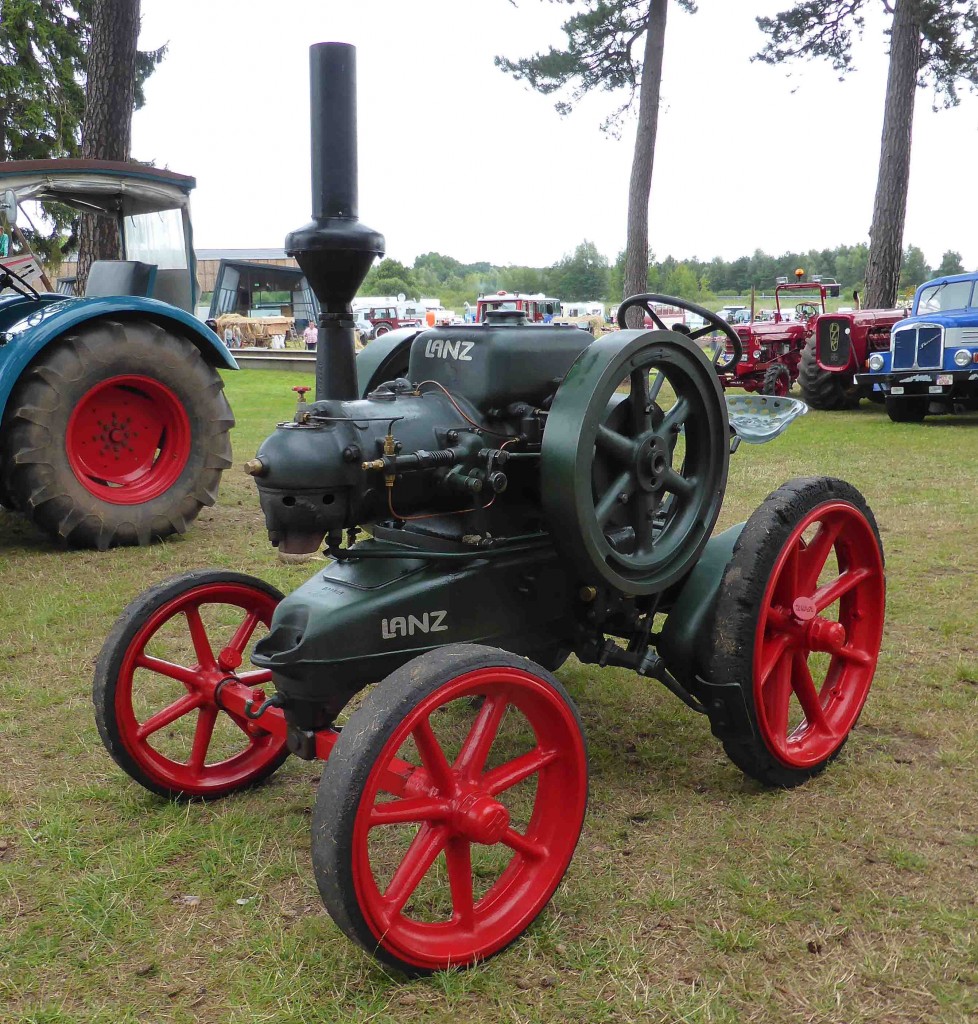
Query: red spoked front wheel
{"points": [[799, 624], [450, 808], [158, 680]]}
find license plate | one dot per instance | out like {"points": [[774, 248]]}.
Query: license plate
{"points": [[945, 378], [936, 389], [897, 389]]}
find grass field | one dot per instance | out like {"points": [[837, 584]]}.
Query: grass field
{"points": [[695, 895]]}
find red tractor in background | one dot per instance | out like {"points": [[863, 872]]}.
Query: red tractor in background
{"points": [[840, 346], [773, 348]]}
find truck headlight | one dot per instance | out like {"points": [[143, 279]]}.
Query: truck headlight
{"points": [[962, 357], [876, 361]]}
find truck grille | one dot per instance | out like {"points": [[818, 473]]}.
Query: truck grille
{"points": [[833, 341], [918, 348]]}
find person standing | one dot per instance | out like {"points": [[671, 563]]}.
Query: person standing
{"points": [[310, 335]]}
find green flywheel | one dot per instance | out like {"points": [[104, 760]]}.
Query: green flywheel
{"points": [[634, 461]]}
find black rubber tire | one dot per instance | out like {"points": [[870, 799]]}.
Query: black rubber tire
{"points": [[381, 329], [33, 457], [772, 375], [109, 664], [742, 590], [351, 760], [831, 392], [907, 410]]}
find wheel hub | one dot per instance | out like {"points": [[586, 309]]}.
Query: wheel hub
{"points": [[825, 635], [651, 463], [480, 819]]}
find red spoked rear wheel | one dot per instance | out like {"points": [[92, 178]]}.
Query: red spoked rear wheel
{"points": [[128, 439], [799, 626], [158, 680], [444, 823]]}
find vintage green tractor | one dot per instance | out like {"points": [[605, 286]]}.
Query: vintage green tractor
{"points": [[529, 492], [113, 422]]}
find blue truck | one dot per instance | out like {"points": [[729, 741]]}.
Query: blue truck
{"points": [[932, 362], [113, 421]]}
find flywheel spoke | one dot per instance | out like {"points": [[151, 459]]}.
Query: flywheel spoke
{"points": [[420, 855], [832, 592], [614, 444], [624, 484]]}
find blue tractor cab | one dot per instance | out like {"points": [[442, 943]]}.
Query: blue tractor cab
{"points": [[134, 433]]}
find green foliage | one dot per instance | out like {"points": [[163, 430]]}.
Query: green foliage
{"points": [[950, 264], [824, 28], [914, 269], [582, 276], [43, 64], [586, 275], [604, 51]]}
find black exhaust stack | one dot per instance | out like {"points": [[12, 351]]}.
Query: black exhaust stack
{"points": [[334, 250]]}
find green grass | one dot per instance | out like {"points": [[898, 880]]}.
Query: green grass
{"points": [[695, 895]]}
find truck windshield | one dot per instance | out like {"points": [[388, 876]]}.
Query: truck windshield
{"points": [[950, 295], [157, 238]]}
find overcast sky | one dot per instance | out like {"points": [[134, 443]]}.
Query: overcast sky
{"points": [[458, 158]]}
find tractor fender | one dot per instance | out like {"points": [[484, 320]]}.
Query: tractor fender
{"points": [[27, 327], [384, 358], [685, 640]]}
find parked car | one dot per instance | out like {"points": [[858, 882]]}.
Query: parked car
{"points": [[932, 362]]}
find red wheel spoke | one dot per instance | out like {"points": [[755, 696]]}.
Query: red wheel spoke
{"points": [[777, 698], [411, 809], [244, 632], [187, 676], [524, 845], [458, 857], [816, 554], [475, 748], [513, 772], [787, 585], [779, 620], [420, 855], [773, 650], [856, 656], [832, 592], [433, 757], [198, 634], [206, 719], [187, 703], [804, 687]]}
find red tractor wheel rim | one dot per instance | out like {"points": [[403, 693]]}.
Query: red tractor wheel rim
{"points": [[781, 385], [457, 807], [128, 439], [841, 618], [200, 682]]}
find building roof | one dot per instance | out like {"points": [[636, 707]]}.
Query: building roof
{"points": [[241, 254]]}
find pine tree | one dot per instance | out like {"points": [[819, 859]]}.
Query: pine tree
{"points": [[612, 45], [932, 42]]}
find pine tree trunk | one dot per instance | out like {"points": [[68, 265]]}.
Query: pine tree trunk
{"points": [[640, 184], [890, 207], [107, 129]]}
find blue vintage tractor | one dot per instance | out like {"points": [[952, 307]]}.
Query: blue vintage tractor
{"points": [[113, 422], [527, 492]]}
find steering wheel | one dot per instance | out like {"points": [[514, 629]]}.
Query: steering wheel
{"points": [[8, 277], [806, 310], [713, 323]]}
